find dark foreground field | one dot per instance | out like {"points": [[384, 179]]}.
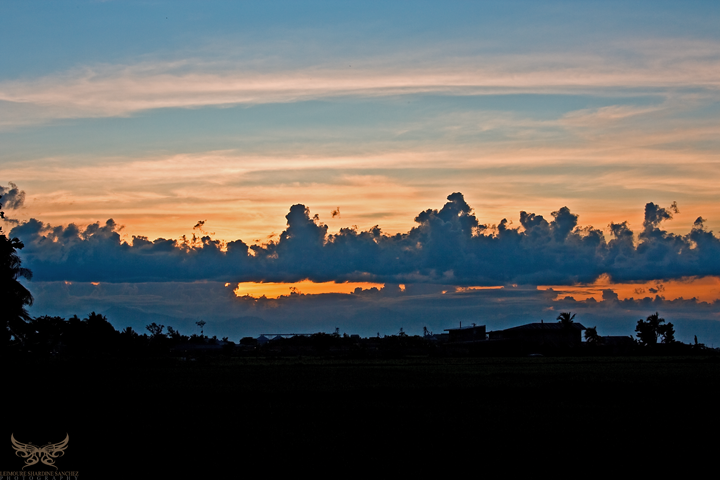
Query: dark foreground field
{"points": [[292, 415]]}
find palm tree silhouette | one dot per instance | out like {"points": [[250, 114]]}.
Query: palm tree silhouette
{"points": [[566, 319], [14, 297], [591, 335]]}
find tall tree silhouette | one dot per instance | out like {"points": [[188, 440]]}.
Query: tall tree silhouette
{"points": [[14, 297], [201, 324]]}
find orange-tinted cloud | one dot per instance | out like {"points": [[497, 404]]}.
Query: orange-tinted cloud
{"points": [[305, 287], [704, 289]]}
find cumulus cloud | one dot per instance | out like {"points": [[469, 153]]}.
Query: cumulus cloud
{"points": [[654, 214], [447, 246], [12, 197]]}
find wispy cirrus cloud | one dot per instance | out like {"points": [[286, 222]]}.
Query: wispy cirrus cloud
{"points": [[121, 90]]}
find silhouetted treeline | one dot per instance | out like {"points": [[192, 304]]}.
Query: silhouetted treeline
{"points": [[94, 336]]}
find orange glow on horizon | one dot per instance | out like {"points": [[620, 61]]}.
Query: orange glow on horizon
{"points": [[277, 289], [706, 289], [257, 215], [474, 289]]}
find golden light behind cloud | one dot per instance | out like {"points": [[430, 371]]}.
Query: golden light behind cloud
{"points": [[705, 289], [307, 287]]}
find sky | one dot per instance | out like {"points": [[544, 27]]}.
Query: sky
{"points": [[376, 165]]}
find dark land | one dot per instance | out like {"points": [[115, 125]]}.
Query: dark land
{"points": [[290, 414]]}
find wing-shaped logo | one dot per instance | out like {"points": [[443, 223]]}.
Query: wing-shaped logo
{"points": [[32, 454]]}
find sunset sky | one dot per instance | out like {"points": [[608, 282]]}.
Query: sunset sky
{"points": [[214, 118]]}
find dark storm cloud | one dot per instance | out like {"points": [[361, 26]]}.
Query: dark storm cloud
{"points": [[447, 246]]}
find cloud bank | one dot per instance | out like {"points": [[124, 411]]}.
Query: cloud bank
{"points": [[447, 246]]}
